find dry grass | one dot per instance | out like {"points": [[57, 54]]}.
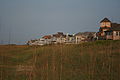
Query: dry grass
{"points": [[88, 61]]}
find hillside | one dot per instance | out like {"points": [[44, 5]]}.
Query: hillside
{"points": [[98, 60]]}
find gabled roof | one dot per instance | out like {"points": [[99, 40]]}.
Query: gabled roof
{"points": [[105, 20]]}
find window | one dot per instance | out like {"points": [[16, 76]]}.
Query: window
{"points": [[117, 33], [108, 24], [102, 24]]}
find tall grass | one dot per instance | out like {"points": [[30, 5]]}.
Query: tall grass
{"points": [[98, 60]]}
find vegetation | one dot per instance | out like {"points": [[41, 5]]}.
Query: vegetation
{"points": [[98, 60]]}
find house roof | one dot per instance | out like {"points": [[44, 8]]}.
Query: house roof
{"points": [[59, 35], [47, 37], [105, 20], [115, 27], [84, 33], [70, 35], [101, 28], [105, 27]]}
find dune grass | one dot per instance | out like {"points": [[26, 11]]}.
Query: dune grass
{"points": [[98, 60]]}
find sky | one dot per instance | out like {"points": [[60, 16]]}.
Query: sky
{"points": [[23, 20]]}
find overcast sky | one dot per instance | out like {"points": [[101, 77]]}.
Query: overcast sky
{"points": [[30, 19]]}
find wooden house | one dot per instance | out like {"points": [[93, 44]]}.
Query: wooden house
{"points": [[108, 30]]}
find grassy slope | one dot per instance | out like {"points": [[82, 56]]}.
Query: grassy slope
{"points": [[88, 61]]}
